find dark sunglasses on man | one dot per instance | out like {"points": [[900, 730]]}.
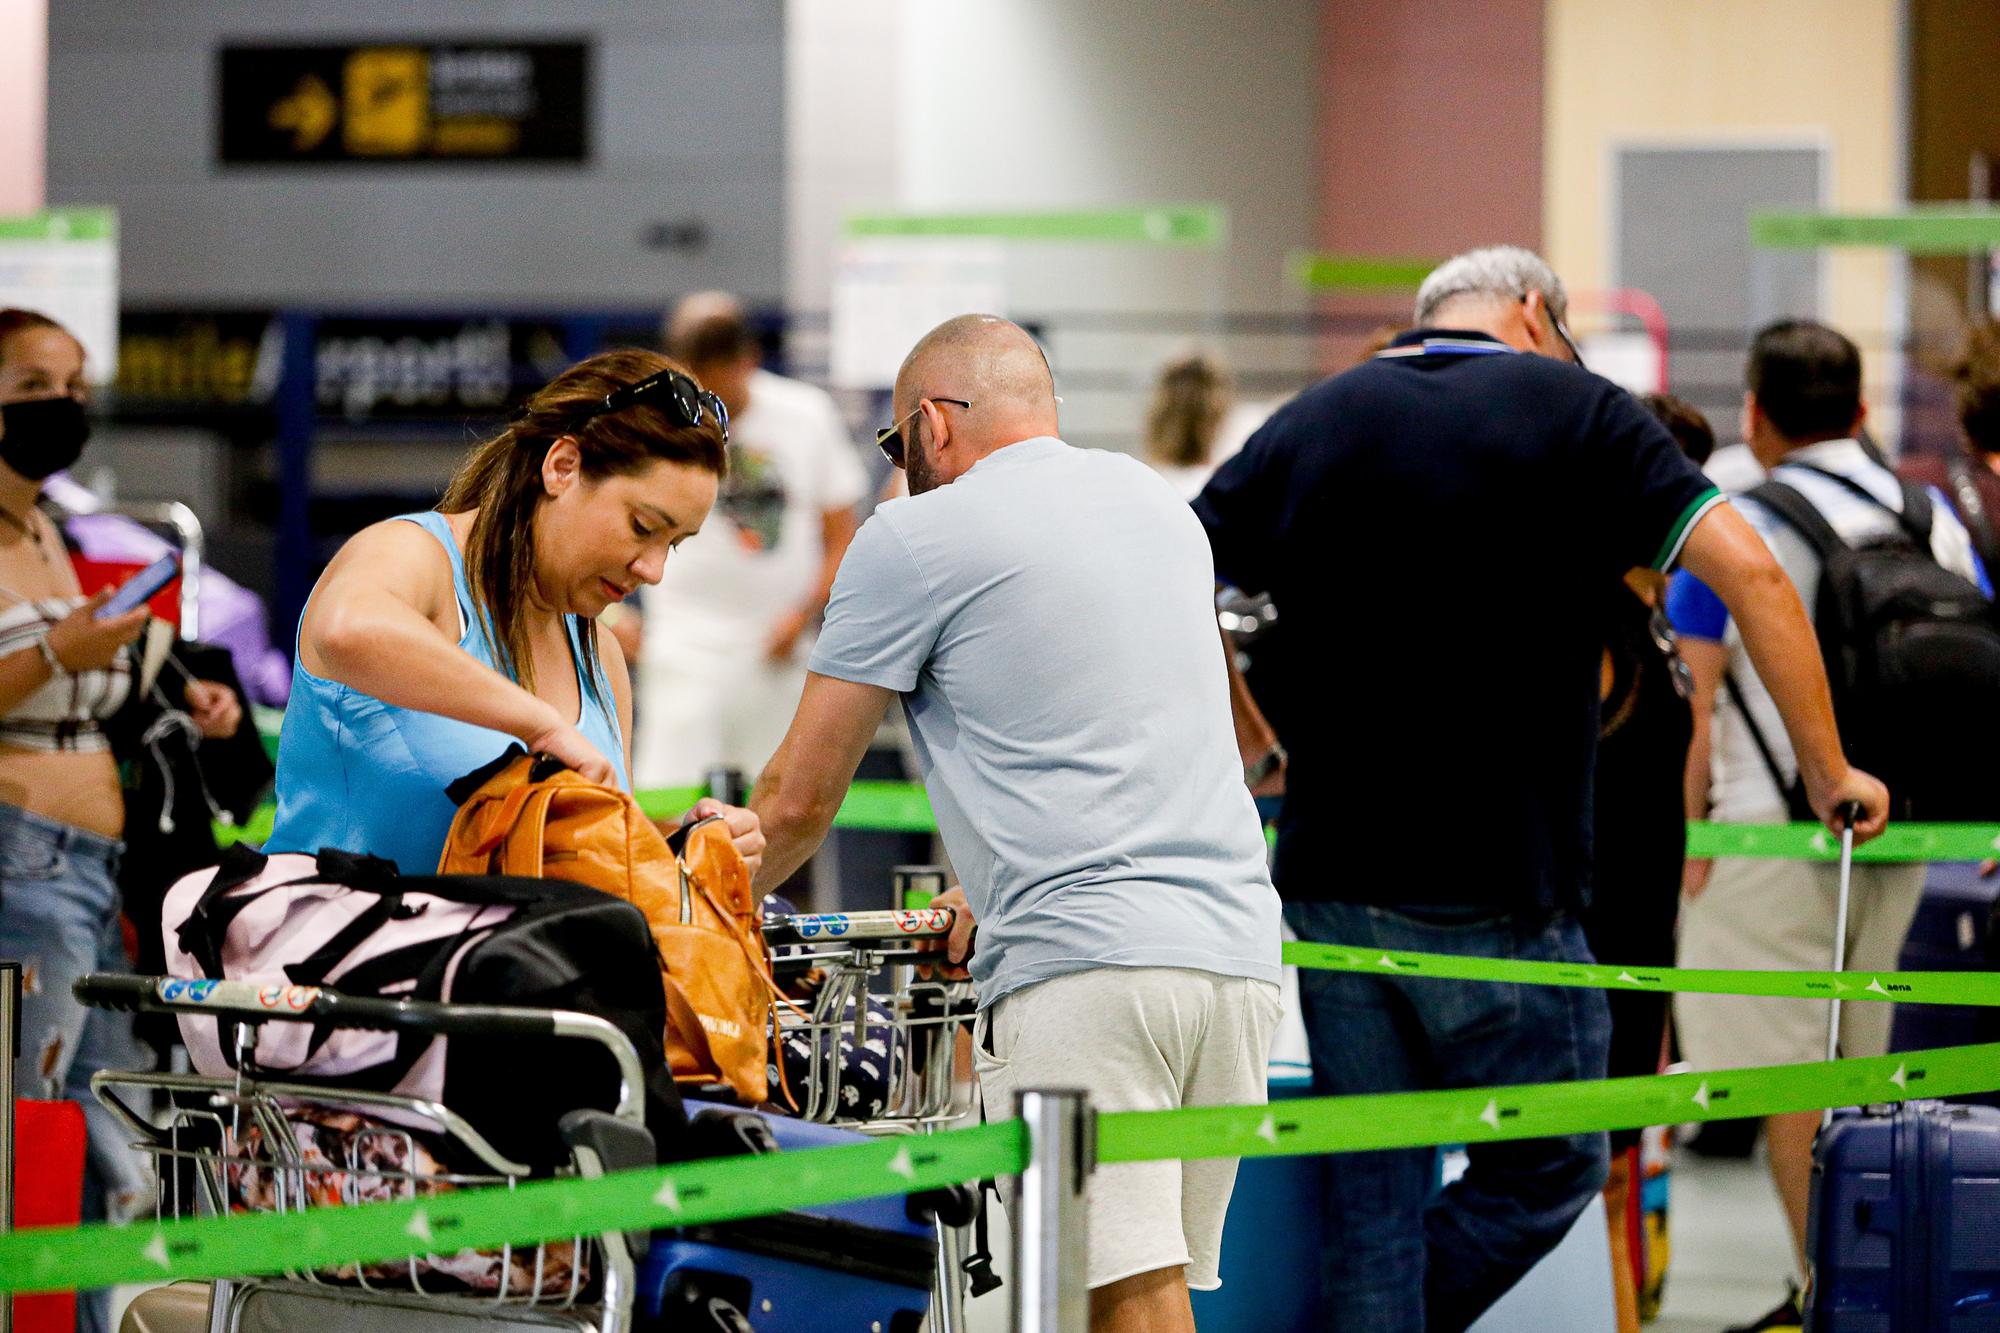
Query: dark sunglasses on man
{"points": [[889, 439], [671, 392]]}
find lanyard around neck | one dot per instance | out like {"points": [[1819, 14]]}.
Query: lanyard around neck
{"points": [[1446, 347]]}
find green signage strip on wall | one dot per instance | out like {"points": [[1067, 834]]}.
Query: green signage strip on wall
{"points": [[1950, 229], [62, 224], [1320, 272], [1201, 225]]}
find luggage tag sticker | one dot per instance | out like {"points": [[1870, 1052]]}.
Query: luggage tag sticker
{"points": [[180, 990]]}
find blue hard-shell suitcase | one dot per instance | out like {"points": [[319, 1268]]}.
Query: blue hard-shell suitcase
{"points": [[1904, 1232], [865, 1265]]}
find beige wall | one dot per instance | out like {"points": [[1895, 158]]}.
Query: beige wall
{"points": [[1719, 71]]}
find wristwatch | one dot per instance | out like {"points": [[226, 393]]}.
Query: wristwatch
{"points": [[1270, 762]]}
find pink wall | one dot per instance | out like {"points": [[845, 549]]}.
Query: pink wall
{"points": [[24, 104], [1430, 130]]}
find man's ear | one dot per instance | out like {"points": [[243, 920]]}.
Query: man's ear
{"points": [[1860, 420], [940, 424], [1751, 418], [562, 466], [1535, 314]]}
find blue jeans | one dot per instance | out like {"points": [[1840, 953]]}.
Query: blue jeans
{"points": [[59, 920], [1399, 1254]]}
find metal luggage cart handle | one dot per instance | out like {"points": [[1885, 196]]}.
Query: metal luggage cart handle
{"points": [[250, 1003], [839, 928]]}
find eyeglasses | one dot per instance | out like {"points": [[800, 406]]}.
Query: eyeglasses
{"points": [[1567, 341], [1562, 331], [889, 439], [672, 392]]}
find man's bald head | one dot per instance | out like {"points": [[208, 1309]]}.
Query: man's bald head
{"points": [[993, 364]]}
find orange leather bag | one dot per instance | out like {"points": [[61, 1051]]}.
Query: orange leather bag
{"points": [[530, 816]]}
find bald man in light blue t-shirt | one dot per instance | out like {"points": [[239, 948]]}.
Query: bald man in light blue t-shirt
{"points": [[1045, 614]]}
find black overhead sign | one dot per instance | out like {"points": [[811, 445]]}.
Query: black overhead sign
{"points": [[417, 101]]}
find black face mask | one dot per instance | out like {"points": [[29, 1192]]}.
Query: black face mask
{"points": [[42, 435]]}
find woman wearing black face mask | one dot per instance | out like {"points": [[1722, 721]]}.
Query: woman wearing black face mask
{"points": [[62, 671]]}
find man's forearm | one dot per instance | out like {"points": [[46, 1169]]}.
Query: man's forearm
{"points": [[793, 828], [799, 791]]}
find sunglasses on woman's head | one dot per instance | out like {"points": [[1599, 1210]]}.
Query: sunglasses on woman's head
{"points": [[672, 392], [889, 439]]}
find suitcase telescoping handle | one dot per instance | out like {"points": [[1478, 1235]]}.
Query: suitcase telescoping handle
{"points": [[1850, 814], [248, 1002]]}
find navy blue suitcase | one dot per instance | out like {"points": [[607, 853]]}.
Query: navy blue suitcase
{"points": [[865, 1265], [1904, 1232]]}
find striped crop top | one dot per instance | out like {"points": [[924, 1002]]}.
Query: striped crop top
{"points": [[67, 710]]}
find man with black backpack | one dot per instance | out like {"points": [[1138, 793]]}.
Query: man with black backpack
{"points": [[1903, 612]]}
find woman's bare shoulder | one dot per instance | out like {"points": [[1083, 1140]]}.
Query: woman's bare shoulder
{"points": [[398, 557]]}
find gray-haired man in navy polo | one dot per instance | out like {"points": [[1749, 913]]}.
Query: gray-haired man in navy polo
{"points": [[1435, 526]]}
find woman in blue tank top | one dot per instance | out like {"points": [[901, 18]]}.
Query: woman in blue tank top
{"points": [[435, 641]]}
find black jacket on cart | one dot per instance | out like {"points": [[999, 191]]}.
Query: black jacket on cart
{"points": [[177, 784]]}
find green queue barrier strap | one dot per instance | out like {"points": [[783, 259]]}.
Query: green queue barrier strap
{"points": [[1978, 988], [903, 807], [1483, 1115], [1812, 842], [251, 1244], [878, 807], [64, 1258]]}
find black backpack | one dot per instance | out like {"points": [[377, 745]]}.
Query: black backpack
{"points": [[1912, 653]]}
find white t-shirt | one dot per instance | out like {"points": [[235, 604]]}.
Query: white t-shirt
{"points": [[759, 555], [1734, 468], [1742, 789]]}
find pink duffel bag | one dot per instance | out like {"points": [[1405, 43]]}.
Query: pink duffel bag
{"points": [[290, 922]]}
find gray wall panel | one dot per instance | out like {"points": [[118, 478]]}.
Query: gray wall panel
{"points": [[687, 125], [1684, 235]]}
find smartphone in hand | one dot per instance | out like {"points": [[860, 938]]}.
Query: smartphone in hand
{"points": [[136, 591]]}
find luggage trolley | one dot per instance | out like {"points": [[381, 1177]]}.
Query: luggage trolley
{"points": [[255, 1143], [910, 1028], [244, 1143], [878, 1043]]}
